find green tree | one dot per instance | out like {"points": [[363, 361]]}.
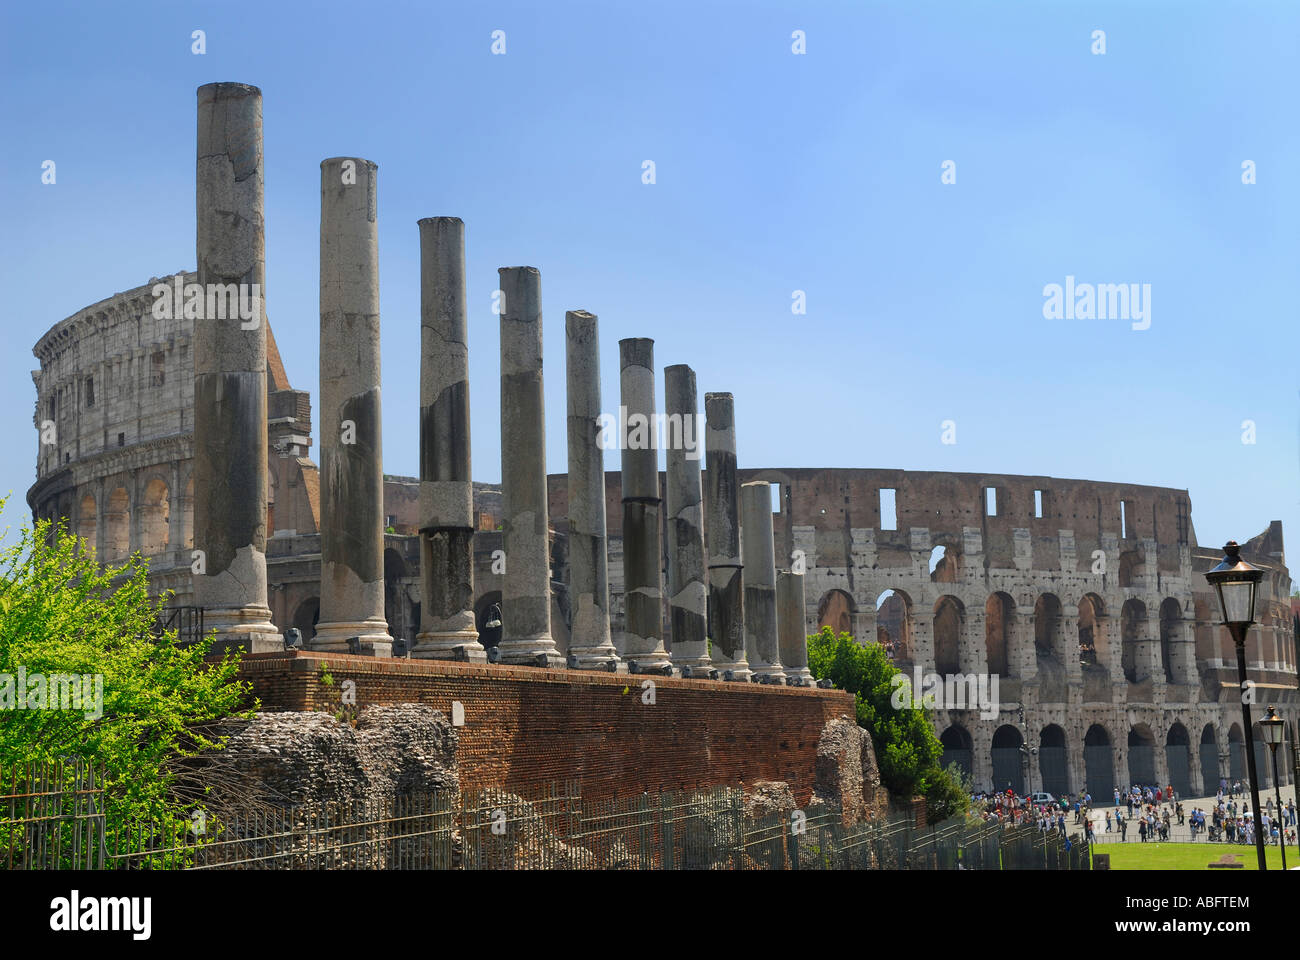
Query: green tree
{"points": [[907, 751], [61, 613]]}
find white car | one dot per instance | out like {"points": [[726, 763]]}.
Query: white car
{"points": [[1042, 798]]}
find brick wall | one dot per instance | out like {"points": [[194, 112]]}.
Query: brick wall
{"points": [[526, 728]]}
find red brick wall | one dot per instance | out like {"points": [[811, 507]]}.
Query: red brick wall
{"points": [[526, 729]]}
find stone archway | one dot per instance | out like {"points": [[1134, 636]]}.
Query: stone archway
{"points": [[1141, 756], [1008, 761], [958, 748], [999, 620], [1178, 759], [1053, 764], [835, 610], [1099, 764], [1210, 774], [949, 619]]}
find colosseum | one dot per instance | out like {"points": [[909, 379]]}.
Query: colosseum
{"points": [[1086, 600]]}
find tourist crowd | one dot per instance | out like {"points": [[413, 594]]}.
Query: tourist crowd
{"points": [[1148, 812]]}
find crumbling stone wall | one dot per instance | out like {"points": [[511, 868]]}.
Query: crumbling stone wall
{"points": [[312, 757]]}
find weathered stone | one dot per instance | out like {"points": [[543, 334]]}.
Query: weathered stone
{"points": [[352, 471], [761, 645], [643, 639], [446, 522], [791, 627], [687, 591], [726, 606], [590, 644], [230, 428], [526, 590]]}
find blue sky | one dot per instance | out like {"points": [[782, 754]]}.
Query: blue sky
{"points": [[775, 173]]}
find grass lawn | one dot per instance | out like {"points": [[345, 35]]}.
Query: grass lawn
{"points": [[1189, 856]]}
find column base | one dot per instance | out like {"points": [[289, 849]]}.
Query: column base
{"points": [[367, 638], [530, 652], [699, 666], [768, 674], [739, 671], [800, 677], [603, 658], [247, 627], [459, 645]]}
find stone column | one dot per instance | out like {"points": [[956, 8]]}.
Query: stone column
{"points": [[761, 644], [351, 465], [230, 407], [446, 630], [526, 590], [722, 527], [688, 595], [590, 644], [643, 643], [792, 628]]}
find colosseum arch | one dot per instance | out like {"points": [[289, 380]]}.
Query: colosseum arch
{"points": [[1171, 615], [1130, 569], [1133, 618], [958, 748], [117, 526], [1263, 758], [949, 621], [1236, 753], [1008, 761], [306, 617], [1099, 763], [155, 517], [1049, 649], [1093, 647], [999, 622], [1210, 774], [835, 610], [1178, 758], [187, 507], [894, 626], [945, 564], [1141, 755], [1053, 763], [88, 523]]}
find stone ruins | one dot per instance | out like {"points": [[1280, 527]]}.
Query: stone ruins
{"points": [[1085, 600]]}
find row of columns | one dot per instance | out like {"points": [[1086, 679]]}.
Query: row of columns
{"points": [[766, 642]]}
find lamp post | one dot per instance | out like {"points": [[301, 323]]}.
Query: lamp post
{"points": [[1272, 728], [1236, 582]]}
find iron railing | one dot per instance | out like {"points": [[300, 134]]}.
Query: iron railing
{"points": [[54, 817]]}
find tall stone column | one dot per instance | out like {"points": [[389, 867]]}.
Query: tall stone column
{"points": [[722, 527], [446, 630], [526, 590], [688, 594], [351, 466], [643, 644], [792, 629], [230, 430], [590, 644], [761, 644]]}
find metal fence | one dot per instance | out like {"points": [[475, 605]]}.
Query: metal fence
{"points": [[55, 819]]}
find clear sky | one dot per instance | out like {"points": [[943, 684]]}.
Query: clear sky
{"points": [[775, 172]]}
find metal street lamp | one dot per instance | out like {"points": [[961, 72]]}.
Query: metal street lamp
{"points": [[1236, 583], [1273, 728]]}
